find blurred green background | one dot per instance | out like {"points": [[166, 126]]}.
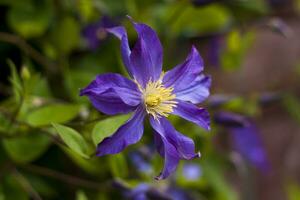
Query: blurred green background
{"points": [[50, 49]]}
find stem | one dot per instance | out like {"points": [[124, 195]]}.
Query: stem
{"points": [[64, 177], [26, 185]]}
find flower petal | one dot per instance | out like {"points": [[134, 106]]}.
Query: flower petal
{"points": [[172, 145], [231, 120], [121, 34], [192, 113], [129, 133], [183, 75], [145, 60], [248, 143], [197, 92], [112, 94], [153, 48]]}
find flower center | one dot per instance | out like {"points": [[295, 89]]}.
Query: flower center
{"points": [[159, 100]]}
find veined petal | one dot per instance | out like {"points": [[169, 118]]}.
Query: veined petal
{"points": [[144, 62], [192, 113], [153, 48], [172, 145], [197, 92], [129, 133], [113, 94], [183, 76]]}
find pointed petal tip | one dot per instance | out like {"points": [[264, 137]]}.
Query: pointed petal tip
{"points": [[198, 155], [82, 92], [131, 19], [159, 177]]}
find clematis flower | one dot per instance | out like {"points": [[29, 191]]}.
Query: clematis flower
{"points": [[246, 138], [95, 33], [153, 93]]}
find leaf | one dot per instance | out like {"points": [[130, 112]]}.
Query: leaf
{"points": [[80, 195], [27, 148], [293, 191], [292, 105], [217, 18], [66, 35], [90, 166], [107, 127], [237, 46], [55, 113], [215, 177], [73, 140], [12, 189], [118, 165], [30, 21], [41, 185], [15, 81]]}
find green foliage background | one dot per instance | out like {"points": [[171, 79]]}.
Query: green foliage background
{"points": [[48, 134]]}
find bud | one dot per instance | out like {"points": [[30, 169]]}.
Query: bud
{"points": [[25, 74]]}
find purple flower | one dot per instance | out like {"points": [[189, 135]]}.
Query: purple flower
{"points": [[214, 51], [154, 93], [143, 191], [140, 163], [192, 172], [95, 33], [178, 194], [246, 138]]}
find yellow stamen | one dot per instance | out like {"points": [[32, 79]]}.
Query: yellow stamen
{"points": [[159, 100]]}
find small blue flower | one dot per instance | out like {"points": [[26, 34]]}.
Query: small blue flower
{"points": [[192, 172], [154, 93]]}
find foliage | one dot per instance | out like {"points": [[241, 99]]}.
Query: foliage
{"points": [[49, 134]]}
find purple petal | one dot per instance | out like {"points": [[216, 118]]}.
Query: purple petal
{"points": [[197, 92], [152, 49], [129, 133], [144, 62], [192, 113], [183, 76], [172, 145], [112, 94], [94, 33], [121, 34], [229, 119], [248, 143]]}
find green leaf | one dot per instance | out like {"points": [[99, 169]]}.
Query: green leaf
{"points": [[73, 140], [293, 191], [41, 185], [215, 177], [292, 105], [237, 46], [80, 195], [31, 20], [118, 165], [107, 127], [216, 18], [90, 166], [55, 113], [16, 82], [12, 189], [66, 35], [26, 148]]}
